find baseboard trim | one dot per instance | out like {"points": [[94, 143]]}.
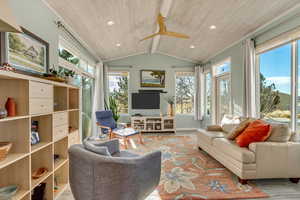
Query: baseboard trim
{"points": [[186, 129]]}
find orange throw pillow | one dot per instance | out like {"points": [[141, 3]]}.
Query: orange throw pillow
{"points": [[257, 131]]}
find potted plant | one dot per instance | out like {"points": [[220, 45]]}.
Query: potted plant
{"points": [[112, 105], [69, 74], [171, 101]]}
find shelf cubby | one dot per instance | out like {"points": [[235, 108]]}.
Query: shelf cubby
{"points": [[26, 197], [60, 148], [19, 136], [42, 158], [44, 131], [48, 193], [73, 121], [17, 174], [18, 90], [61, 179], [60, 98], [73, 98]]}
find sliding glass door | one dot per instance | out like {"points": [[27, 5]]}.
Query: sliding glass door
{"points": [[87, 106]]}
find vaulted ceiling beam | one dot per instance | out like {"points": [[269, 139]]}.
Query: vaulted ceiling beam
{"points": [[164, 11]]}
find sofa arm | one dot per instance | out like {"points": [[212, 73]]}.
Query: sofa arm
{"points": [[277, 160]]}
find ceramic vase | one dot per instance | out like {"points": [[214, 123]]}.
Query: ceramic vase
{"points": [[170, 110], [10, 107]]}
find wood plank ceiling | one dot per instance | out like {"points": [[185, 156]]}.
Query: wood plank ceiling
{"points": [[135, 19]]}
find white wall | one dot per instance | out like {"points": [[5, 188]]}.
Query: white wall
{"points": [[136, 63]]}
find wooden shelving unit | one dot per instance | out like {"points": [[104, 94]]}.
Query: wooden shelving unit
{"points": [[55, 107], [154, 124]]}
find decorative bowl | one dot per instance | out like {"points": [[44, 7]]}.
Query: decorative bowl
{"points": [[39, 173], [4, 149], [8, 192]]}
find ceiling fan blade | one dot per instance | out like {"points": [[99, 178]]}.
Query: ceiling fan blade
{"points": [[150, 36], [174, 34]]}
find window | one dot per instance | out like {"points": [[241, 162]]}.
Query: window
{"points": [[91, 69], [83, 64], [275, 70], [207, 94], [185, 91], [68, 56], [222, 68], [118, 88], [223, 89]]}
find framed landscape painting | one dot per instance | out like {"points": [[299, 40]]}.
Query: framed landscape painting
{"points": [[27, 52], [153, 78]]}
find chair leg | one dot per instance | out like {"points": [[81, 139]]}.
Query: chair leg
{"points": [[295, 180], [125, 142], [140, 138], [243, 181]]}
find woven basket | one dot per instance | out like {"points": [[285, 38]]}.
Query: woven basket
{"points": [[4, 149]]}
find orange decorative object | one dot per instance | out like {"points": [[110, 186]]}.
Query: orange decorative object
{"points": [[257, 131], [10, 106], [39, 173]]}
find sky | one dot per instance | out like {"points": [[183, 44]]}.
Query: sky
{"points": [[275, 65]]}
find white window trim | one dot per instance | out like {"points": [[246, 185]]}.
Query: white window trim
{"points": [[128, 90], [207, 71], [294, 78], [184, 114], [214, 110]]}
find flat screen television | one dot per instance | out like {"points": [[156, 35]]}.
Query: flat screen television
{"points": [[145, 100]]}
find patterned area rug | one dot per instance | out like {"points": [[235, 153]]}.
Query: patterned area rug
{"points": [[189, 174]]}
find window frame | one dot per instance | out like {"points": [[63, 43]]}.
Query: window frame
{"points": [[208, 71], [294, 79], [215, 78], [108, 92], [193, 112]]}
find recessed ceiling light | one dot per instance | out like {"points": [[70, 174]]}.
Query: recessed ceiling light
{"points": [[212, 27], [118, 44], [110, 23], [192, 47]]}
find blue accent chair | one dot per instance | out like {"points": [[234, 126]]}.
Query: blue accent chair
{"points": [[109, 126]]}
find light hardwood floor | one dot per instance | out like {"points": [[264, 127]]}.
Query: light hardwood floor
{"points": [[277, 189]]}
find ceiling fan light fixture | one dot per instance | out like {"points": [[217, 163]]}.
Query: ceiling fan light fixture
{"points": [[110, 23], [212, 27], [192, 47]]}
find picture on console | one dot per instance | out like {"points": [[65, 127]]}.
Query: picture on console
{"points": [[153, 78]]}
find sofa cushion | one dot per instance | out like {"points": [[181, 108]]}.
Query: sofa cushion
{"points": [[231, 149], [208, 136], [257, 131], [227, 128], [238, 129], [280, 133], [214, 128]]}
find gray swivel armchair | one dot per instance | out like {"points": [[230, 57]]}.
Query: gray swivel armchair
{"points": [[121, 175]]}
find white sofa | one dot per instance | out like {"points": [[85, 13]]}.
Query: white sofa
{"points": [[260, 161]]}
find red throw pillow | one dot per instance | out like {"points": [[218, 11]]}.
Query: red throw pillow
{"points": [[257, 131]]}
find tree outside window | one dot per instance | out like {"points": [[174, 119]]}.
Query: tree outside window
{"points": [[118, 89], [185, 92]]}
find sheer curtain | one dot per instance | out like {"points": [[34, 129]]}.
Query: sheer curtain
{"points": [[199, 92], [249, 77], [99, 94]]}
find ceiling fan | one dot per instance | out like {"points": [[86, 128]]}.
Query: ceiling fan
{"points": [[163, 30]]}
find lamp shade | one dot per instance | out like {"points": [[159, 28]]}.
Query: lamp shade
{"points": [[7, 20]]}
